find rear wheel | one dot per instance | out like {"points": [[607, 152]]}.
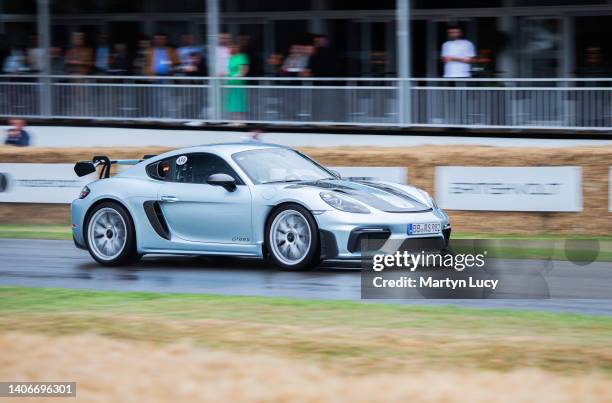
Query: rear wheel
{"points": [[292, 238], [110, 235]]}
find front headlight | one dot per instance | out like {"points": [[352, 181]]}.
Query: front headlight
{"points": [[343, 203]]}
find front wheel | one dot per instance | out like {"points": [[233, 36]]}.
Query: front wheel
{"points": [[110, 235], [292, 238]]}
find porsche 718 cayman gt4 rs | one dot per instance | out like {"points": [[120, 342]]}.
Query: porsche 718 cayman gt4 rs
{"points": [[245, 199]]}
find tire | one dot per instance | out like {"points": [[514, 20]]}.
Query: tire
{"points": [[110, 236], [292, 238]]}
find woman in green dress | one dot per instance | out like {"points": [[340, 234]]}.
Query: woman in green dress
{"points": [[236, 103]]}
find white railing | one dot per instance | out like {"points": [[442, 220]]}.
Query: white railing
{"points": [[572, 104], [576, 104]]}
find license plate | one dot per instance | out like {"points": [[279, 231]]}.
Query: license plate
{"points": [[426, 228]]}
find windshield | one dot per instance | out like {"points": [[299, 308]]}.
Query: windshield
{"points": [[279, 165]]}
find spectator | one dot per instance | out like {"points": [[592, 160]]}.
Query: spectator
{"points": [[102, 55], [185, 51], [255, 62], [192, 101], [15, 62], [36, 56], [482, 64], [223, 54], [307, 53], [5, 51], [457, 55], [161, 59], [56, 60], [196, 67], [296, 63], [323, 61], [378, 63], [253, 137], [119, 64], [139, 64], [79, 57], [236, 102], [593, 66], [275, 64], [16, 135]]}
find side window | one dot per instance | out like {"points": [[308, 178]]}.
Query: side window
{"points": [[196, 168], [161, 169]]}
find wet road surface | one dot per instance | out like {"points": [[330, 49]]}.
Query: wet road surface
{"points": [[44, 263]]}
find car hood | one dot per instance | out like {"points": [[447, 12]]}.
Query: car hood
{"points": [[380, 196]]}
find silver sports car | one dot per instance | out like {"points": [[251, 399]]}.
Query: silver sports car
{"points": [[244, 199]]}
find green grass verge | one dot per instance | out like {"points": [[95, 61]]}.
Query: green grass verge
{"points": [[32, 231], [574, 249], [351, 336], [279, 310]]}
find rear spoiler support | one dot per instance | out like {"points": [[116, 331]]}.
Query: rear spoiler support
{"points": [[82, 168]]}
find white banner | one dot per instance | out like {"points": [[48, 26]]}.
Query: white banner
{"points": [[509, 188], [386, 174], [40, 183], [57, 183]]}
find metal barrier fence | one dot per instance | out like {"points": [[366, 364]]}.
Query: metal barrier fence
{"points": [[572, 104], [513, 103]]}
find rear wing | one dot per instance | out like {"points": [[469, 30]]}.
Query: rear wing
{"points": [[82, 168]]}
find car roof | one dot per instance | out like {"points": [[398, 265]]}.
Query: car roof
{"points": [[224, 149], [230, 148]]}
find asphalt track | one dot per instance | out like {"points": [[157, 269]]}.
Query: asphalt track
{"points": [[44, 263]]}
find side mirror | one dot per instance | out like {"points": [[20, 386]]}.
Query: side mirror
{"points": [[83, 168], [223, 180]]}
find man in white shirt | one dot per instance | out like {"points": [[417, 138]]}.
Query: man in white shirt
{"points": [[457, 55], [223, 55], [36, 56]]}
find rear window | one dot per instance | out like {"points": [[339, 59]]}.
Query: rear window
{"points": [[161, 169]]}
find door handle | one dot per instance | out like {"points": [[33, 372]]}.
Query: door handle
{"points": [[169, 199]]}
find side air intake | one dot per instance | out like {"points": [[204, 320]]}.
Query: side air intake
{"points": [[156, 218]]}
